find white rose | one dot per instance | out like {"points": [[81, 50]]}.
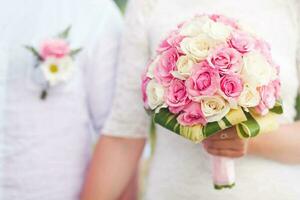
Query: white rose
{"points": [[214, 108], [150, 72], [57, 70], [217, 30], [198, 47], [194, 27], [257, 71], [249, 97], [155, 94], [184, 67]]}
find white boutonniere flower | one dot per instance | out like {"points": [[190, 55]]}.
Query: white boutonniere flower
{"points": [[56, 60], [57, 70]]}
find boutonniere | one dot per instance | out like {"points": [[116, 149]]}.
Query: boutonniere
{"points": [[55, 59]]}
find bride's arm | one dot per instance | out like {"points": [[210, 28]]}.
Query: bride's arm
{"points": [[114, 163], [282, 145]]}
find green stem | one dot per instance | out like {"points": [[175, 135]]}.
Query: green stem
{"points": [[44, 94]]}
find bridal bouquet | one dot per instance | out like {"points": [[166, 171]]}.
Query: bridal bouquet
{"points": [[210, 74]]}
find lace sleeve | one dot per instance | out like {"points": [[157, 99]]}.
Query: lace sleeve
{"points": [[127, 117]]}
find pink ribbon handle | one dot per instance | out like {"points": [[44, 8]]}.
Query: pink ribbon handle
{"points": [[223, 172]]}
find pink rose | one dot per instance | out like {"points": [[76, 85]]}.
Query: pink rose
{"points": [[226, 60], [145, 81], [262, 109], [268, 99], [264, 48], [166, 64], [180, 25], [231, 85], [225, 20], [192, 115], [277, 68], [203, 81], [177, 96], [173, 41], [277, 86], [242, 42], [57, 48]]}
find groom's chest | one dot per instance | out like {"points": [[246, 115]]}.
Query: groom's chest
{"points": [[21, 76]]}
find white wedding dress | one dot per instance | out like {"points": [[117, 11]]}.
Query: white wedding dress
{"points": [[180, 169]]}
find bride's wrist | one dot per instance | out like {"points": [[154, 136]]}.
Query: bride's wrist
{"points": [[253, 147]]}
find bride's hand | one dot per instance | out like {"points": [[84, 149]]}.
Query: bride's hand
{"points": [[226, 143]]}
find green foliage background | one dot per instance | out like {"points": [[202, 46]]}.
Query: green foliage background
{"points": [[121, 4], [298, 108]]}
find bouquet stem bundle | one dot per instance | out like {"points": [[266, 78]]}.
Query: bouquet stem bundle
{"points": [[248, 124]]}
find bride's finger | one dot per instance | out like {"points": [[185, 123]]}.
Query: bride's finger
{"points": [[227, 134], [226, 153], [235, 144]]}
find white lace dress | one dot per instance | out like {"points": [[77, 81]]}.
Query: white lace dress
{"points": [[180, 169]]}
